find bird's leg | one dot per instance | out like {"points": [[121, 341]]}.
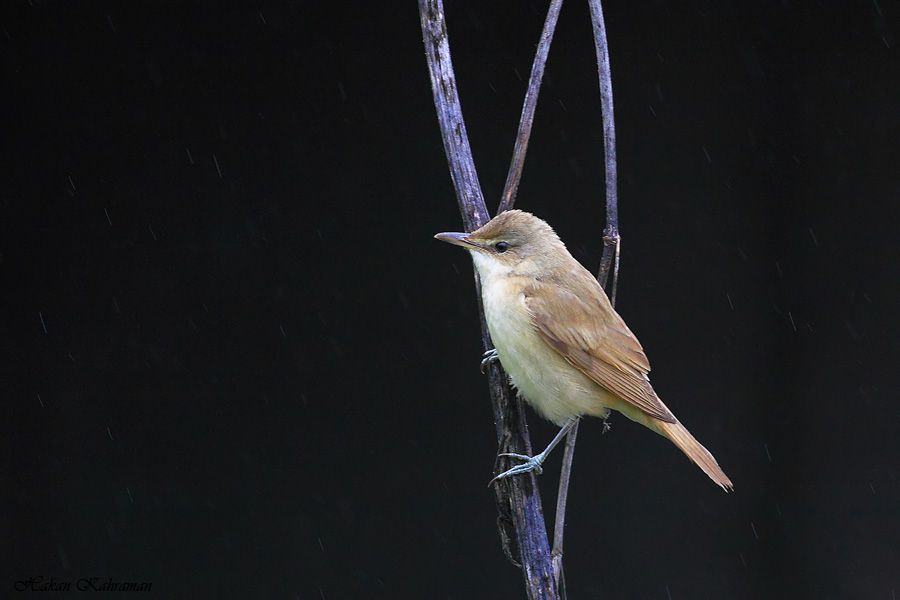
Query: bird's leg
{"points": [[606, 426], [488, 358], [533, 463]]}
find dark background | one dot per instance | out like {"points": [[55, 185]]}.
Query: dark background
{"points": [[238, 366]]}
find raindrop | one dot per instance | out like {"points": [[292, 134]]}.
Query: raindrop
{"points": [[336, 347], [403, 299], [44, 325], [659, 94]]}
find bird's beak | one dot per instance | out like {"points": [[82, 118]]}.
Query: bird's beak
{"points": [[457, 239]]}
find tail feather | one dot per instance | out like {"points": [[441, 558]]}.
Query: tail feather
{"points": [[695, 451]]}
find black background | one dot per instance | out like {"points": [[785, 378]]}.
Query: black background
{"points": [[238, 366]]}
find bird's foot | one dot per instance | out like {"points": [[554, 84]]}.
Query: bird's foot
{"points": [[489, 357], [606, 426], [531, 463]]}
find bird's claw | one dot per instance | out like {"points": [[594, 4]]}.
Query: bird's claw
{"points": [[489, 357], [532, 463]]}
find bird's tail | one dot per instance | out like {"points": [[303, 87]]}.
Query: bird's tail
{"points": [[694, 450]]}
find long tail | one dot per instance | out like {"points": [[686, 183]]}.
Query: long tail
{"points": [[695, 451]]}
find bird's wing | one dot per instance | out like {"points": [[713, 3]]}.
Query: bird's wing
{"points": [[583, 327]]}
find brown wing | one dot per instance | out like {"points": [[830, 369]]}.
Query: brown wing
{"points": [[583, 327]]}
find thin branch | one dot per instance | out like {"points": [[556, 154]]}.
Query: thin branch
{"points": [[611, 232], [527, 118], [450, 118], [614, 286], [561, 498], [610, 258], [518, 498]]}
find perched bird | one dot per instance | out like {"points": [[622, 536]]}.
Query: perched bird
{"points": [[567, 352]]}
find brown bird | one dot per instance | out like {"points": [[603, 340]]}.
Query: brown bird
{"points": [[566, 350]]}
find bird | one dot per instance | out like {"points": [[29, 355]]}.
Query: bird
{"points": [[566, 350]]}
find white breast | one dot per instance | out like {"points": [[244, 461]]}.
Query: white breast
{"points": [[553, 387]]}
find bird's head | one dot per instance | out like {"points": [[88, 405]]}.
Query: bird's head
{"points": [[512, 241]]}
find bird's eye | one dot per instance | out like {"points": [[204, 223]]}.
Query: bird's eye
{"points": [[501, 246]]}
